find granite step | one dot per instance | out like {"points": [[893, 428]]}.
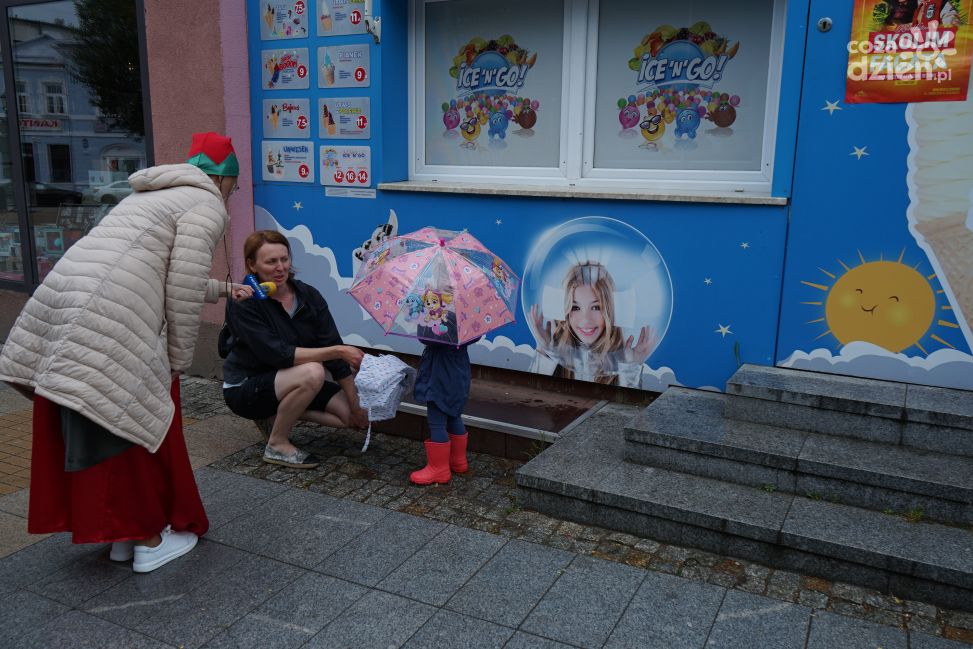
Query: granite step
{"points": [[584, 477], [916, 416], [684, 430]]}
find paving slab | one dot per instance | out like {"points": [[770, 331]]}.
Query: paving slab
{"points": [[299, 527], [22, 614], [380, 549], [948, 477], [228, 496], [828, 422], [924, 550], [443, 565], [38, 560], [83, 579], [135, 599], [192, 620], [506, 589], [293, 615], [451, 630], [712, 504], [15, 503], [829, 631], [747, 620], [585, 603], [692, 420], [77, 629], [820, 390], [940, 406], [668, 612], [924, 641], [376, 620], [521, 640]]}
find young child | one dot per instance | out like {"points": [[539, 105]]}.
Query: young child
{"points": [[443, 383]]}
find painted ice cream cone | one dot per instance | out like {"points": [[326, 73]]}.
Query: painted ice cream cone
{"points": [[941, 196], [326, 23]]}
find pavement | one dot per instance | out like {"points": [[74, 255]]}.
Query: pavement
{"points": [[352, 555]]}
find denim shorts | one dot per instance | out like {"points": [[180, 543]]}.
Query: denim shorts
{"points": [[256, 398]]}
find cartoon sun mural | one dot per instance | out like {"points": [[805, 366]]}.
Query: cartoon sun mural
{"points": [[886, 303]]}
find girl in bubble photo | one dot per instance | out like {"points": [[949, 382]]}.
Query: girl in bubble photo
{"points": [[587, 345]]}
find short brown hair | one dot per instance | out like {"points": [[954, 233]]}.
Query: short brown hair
{"points": [[256, 241]]}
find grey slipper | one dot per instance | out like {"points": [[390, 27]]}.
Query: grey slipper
{"points": [[297, 460]]}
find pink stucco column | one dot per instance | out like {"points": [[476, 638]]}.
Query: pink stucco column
{"points": [[198, 81]]}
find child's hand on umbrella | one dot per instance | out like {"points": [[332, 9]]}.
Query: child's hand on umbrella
{"points": [[359, 417], [641, 350], [542, 328]]}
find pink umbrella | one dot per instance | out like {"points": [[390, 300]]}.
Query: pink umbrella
{"points": [[436, 285]]}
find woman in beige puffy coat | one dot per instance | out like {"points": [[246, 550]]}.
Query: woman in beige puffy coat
{"points": [[99, 346]]}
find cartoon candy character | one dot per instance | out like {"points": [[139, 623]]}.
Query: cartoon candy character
{"points": [[653, 128], [499, 121], [470, 129], [628, 116], [451, 118], [687, 121]]}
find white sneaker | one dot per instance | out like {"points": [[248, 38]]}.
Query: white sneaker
{"points": [[173, 546], [122, 551]]}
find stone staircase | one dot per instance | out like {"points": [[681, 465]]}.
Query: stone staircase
{"points": [[855, 480]]}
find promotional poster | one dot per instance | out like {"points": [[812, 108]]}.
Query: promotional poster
{"points": [[287, 118], [343, 66], [284, 69], [288, 161], [909, 51], [284, 20], [346, 166], [344, 118], [340, 17]]}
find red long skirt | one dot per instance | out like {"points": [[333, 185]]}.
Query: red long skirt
{"points": [[132, 495]]}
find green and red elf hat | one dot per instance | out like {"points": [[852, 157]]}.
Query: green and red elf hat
{"points": [[213, 153]]}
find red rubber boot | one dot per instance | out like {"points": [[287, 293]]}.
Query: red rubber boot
{"points": [[437, 465], [457, 453]]}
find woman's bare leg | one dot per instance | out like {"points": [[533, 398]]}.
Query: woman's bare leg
{"points": [[337, 414], [295, 387]]}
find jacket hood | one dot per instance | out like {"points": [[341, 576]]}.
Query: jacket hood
{"points": [[177, 175]]}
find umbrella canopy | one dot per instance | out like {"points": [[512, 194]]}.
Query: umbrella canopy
{"points": [[436, 285]]}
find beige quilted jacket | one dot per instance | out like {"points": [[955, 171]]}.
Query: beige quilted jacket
{"points": [[122, 307]]}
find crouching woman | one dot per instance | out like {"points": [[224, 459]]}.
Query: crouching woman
{"points": [[279, 349]]}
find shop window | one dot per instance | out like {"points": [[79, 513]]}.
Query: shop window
{"points": [[23, 98], [54, 94], [597, 93]]}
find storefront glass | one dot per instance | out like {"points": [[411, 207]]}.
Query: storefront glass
{"points": [[79, 99]]}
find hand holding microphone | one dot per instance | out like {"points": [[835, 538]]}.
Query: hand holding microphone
{"points": [[261, 290]]}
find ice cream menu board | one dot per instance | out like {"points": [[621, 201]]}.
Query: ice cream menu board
{"points": [[287, 118], [284, 20], [284, 69], [344, 117], [344, 66], [346, 166], [339, 17], [288, 161]]}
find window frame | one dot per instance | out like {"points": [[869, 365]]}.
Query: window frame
{"points": [[25, 110], [578, 75], [51, 95]]}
